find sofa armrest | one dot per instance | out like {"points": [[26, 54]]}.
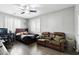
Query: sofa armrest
{"points": [[40, 37]]}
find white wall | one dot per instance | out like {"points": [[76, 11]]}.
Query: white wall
{"points": [[60, 21], [12, 22], [77, 26]]}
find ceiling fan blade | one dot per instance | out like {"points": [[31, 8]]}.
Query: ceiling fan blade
{"points": [[22, 12], [33, 11]]}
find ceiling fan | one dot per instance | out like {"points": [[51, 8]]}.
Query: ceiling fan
{"points": [[27, 9]]}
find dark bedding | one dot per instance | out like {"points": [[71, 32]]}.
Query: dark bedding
{"points": [[28, 39]]}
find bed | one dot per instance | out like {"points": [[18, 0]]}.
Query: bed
{"points": [[24, 36]]}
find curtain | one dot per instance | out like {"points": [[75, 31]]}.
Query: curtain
{"points": [[34, 25], [13, 22]]}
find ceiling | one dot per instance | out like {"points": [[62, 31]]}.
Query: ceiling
{"points": [[14, 9]]}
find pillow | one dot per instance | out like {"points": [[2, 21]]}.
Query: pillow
{"points": [[21, 33], [57, 38], [18, 34], [25, 33]]}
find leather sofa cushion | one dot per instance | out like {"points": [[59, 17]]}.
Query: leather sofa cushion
{"points": [[55, 42]]}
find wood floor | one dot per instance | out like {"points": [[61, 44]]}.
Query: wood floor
{"points": [[19, 48]]}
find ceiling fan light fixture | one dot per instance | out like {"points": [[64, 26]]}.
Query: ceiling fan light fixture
{"points": [[27, 11], [27, 7]]}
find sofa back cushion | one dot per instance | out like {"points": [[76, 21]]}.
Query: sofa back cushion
{"points": [[52, 35], [45, 35], [61, 34]]}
